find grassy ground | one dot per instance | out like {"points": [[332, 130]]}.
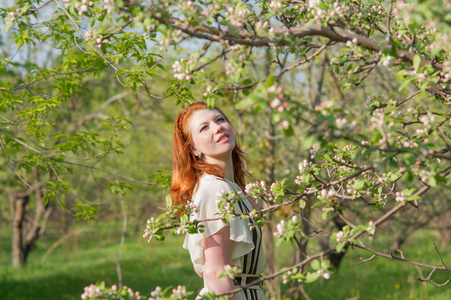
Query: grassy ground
{"points": [[91, 256], [382, 278]]}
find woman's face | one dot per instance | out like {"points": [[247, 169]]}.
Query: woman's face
{"points": [[212, 135]]}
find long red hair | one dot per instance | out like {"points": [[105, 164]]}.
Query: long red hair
{"points": [[187, 169]]}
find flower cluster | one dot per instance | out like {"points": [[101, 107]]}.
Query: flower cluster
{"points": [[340, 237], [107, 6], [427, 119], [333, 11], [90, 291], [97, 38], [324, 274], [237, 15], [371, 229], [286, 277], [275, 4], [179, 292], [261, 24], [82, 6], [400, 197], [323, 105], [181, 70], [155, 294], [303, 168], [13, 15], [254, 188], [325, 195], [100, 291], [150, 227], [277, 103], [280, 229], [230, 271], [287, 228], [190, 208], [387, 61]]}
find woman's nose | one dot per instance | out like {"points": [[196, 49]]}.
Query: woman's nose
{"points": [[217, 127]]}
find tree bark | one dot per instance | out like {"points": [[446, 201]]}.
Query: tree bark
{"points": [[268, 238], [18, 255], [23, 238]]}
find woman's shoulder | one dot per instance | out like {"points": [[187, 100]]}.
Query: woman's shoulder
{"points": [[210, 182], [210, 185]]}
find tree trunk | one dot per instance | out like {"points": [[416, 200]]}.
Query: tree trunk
{"points": [[23, 238], [272, 285], [18, 253]]}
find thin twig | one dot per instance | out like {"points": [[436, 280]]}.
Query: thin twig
{"points": [[121, 246], [304, 61], [38, 8], [408, 98]]}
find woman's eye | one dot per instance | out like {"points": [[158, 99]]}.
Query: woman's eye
{"points": [[221, 119], [203, 128]]}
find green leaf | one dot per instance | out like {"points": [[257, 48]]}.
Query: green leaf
{"points": [[340, 247], [359, 184], [62, 204], [345, 86], [8, 26], [270, 81], [416, 61], [409, 176], [120, 72], [409, 159], [432, 181], [244, 104], [440, 179], [311, 277], [315, 264], [302, 204], [404, 84], [246, 82], [288, 132]]}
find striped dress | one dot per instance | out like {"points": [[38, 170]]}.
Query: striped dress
{"points": [[247, 248]]}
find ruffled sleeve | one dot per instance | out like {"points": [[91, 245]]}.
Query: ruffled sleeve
{"points": [[206, 197]]}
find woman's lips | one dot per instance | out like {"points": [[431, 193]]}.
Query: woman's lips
{"points": [[223, 138]]}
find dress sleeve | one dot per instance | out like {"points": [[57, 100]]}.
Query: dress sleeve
{"points": [[206, 197]]}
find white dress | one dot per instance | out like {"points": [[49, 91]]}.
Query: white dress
{"points": [[247, 248]]}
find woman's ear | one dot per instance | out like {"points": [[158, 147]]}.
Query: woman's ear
{"points": [[194, 151]]}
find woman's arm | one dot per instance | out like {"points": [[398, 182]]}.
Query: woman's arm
{"points": [[217, 253], [198, 272]]}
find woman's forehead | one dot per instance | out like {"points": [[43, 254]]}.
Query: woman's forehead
{"points": [[203, 115]]}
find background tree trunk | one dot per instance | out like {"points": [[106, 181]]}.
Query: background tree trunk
{"points": [[26, 229], [18, 253]]}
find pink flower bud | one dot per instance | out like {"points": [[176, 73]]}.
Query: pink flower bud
{"points": [[275, 103], [285, 124]]}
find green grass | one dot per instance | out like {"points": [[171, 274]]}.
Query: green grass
{"points": [[91, 257], [383, 278]]}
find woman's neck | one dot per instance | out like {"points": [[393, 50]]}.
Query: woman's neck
{"points": [[226, 165]]}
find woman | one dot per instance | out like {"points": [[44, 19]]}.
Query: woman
{"points": [[207, 162]]}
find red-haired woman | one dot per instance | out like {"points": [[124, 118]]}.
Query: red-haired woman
{"points": [[207, 163]]}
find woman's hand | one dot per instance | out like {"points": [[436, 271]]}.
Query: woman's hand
{"points": [[217, 253]]}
